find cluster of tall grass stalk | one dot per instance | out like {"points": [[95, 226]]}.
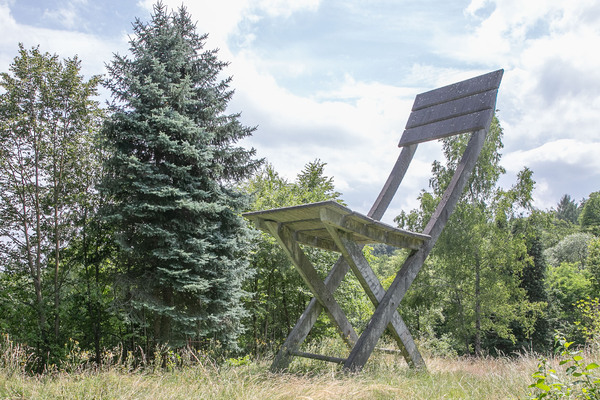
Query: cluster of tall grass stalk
{"points": [[191, 374]]}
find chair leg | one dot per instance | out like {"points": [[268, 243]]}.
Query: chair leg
{"points": [[310, 276], [384, 312], [370, 283], [339, 270], [308, 318]]}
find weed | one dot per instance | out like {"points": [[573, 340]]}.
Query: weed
{"points": [[577, 381]]}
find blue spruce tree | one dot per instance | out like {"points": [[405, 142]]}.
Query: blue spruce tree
{"points": [[171, 170]]}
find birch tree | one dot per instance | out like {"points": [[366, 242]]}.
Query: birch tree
{"points": [[47, 122]]}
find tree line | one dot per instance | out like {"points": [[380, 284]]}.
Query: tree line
{"points": [[121, 225]]}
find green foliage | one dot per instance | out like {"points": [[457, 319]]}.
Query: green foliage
{"points": [[567, 209], [48, 123], [533, 278], [173, 207], [566, 284], [590, 319], [590, 215], [593, 262], [571, 249], [279, 294], [478, 262], [579, 380]]}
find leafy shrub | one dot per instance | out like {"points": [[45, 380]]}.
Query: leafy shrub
{"points": [[590, 325], [576, 382]]}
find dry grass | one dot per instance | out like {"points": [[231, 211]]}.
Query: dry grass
{"points": [[445, 379], [384, 377]]}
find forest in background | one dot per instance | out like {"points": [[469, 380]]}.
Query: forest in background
{"points": [[121, 225]]}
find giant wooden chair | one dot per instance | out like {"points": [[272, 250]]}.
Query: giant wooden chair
{"points": [[466, 106]]}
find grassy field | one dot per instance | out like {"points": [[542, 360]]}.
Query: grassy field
{"points": [[384, 377], [445, 379]]}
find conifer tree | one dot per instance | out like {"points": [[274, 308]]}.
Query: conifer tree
{"points": [[590, 215], [567, 209], [171, 174]]}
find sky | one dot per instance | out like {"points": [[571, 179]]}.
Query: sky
{"points": [[335, 80]]}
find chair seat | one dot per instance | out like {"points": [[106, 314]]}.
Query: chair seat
{"points": [[308, 222]]}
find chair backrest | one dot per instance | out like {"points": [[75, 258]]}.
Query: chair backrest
{"points": [[466, 106]]}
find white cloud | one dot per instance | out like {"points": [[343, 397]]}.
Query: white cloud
{"points": [[548, 99], [67, 17], [220, 19], [563, 151], [285, 8], [92, 50], [564, 166]]}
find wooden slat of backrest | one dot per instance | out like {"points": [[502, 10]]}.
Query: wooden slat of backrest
{"points": [[479, 84], [455, 108], [453, 126], [465, 106]]}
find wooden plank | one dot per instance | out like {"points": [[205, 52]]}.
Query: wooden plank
{"points": [[372, 231], [319, 357], [454, 108], [312, 279], [458, 90], [308, 319], [374, 290], [392, 183], [315, 241], [388, 305], [454, 126], [293, 214], [312, 232]]}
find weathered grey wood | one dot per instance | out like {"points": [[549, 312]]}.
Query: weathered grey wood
{"points": [[449, 127], [462, 107], [305, 221], [412, 265], [319, 357], [375, 231], [388, 305], [454, 108], [374, 290], [458, 90], [303, 238], [315, 241], [309, 317], [392, 183], [313, 281]]}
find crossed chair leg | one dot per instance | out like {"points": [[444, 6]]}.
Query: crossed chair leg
{"points": [[352, 258]]}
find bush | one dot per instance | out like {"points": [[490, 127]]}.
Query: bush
{"points": [[576, 382]]}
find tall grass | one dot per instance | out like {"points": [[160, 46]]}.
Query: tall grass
{"points": [[192, 375]]}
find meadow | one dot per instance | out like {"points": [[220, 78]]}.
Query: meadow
{"points": [[193, 374]]}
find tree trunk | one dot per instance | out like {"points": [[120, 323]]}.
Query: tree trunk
{"points": [[462, 322], [477, 306]]}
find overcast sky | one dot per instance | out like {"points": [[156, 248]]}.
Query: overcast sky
{"points": [[335, 79]]}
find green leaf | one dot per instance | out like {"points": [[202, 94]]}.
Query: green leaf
{"points": [[592, 366], [577, 358], [542, 386]]}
